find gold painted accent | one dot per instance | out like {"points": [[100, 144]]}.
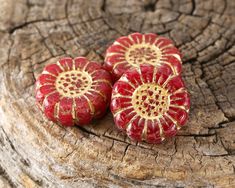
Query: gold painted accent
{"points": [[85, 66], [58, 63], [128, 126], [73, 83], [119, 63], [156, 41], [117, 95], [74, 113], [154, 74], [102, 81], [170, 65], [144, 131], [127, 90], [121, 53], [73, 65], [167, 46], [162, 135], [143, 53], [176, 99], [74, 109], [143, 39], [180, 90], [122, 110], [118, 43], [160, 79], [45, 84], [150, 101], [173, 120], [45, 97], [46, 72], [177, 57], [91, 106], [180, 107], [56, 111], [141, 77], [168, 79], [94, 71], [131, 39], [124, 79], [99, 93], [136, 82]]}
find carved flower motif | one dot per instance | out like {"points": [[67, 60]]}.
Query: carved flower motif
{"points": [[135, 49], [150, 103], [73, 91]]}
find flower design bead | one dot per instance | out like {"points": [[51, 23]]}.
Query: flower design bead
{"points": [[136, 49], [150, 103], [73, 91]]}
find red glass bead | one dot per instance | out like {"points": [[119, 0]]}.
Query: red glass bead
{"points": [[73, 91], [135, 49], [150, 103]]}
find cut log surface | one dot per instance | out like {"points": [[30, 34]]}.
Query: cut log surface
{"points": [[35, 152]]}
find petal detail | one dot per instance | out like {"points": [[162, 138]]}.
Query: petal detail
{"points": [[65, 111], [73, 91], [66, 63], [155, 98]]}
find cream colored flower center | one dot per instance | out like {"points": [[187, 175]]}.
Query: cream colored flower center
{"points": [[150, 101], [143, 53], [73, 83]]}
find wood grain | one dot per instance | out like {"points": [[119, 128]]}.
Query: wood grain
{"points": [[35, 152]]}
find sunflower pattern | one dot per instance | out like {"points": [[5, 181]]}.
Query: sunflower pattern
{"points": [[150, 103], [73, 91], [136, 49]]}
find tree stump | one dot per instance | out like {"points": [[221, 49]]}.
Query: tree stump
{"points": [[35, 152]]}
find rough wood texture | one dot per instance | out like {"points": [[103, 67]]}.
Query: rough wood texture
{"points": [[35, 152]]}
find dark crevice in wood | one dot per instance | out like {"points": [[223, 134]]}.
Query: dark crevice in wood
{"points": [[111, 146], [223, 155], [195, 135], [125, 151], [225, 7], [150, 7], [36, 180], [221, 125], [229, 151], [110, 26], [103, 7], [113, 138], [6, 177], [87, 132], [25, 162], [43, 40], [9, 141], [137, 182], [209, 21], [227, 48], [127, 142], [229, 119], [155, 161], [12, 30], [193, 7]]}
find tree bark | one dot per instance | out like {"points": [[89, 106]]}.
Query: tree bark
{"points": [[35, 152]]}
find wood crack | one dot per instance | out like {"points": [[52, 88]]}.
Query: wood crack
{"points": [[60, 157], [6, 177], [12, 30]]}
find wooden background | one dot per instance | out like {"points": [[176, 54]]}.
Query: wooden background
{"points": [[35, 152]]}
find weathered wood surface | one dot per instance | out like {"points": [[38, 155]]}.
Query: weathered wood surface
{"points": [[35, 152]]}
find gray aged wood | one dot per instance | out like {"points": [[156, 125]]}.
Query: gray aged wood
{"points": [[35, 152]]}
